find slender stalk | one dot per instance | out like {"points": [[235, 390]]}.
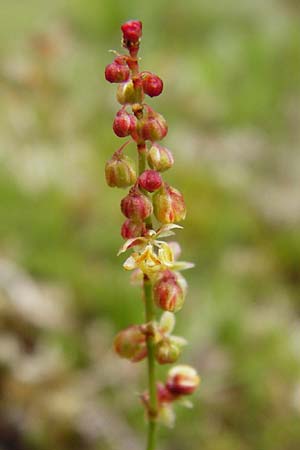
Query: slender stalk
{"points": [[152, 413], [150, 316], [142, 157]]}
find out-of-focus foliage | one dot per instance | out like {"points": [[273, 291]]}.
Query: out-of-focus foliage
{"points": [[232, 93]]}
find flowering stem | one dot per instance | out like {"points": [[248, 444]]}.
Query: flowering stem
{"points": [[152, 413], [162, 284]]}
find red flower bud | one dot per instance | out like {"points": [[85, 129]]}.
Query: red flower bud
{"points": [[131, 344], [169, 205], [124, 123], [167, 352], [120, 171], [136, 206], [132, 30], [160, 158], [169, 290], [152, 84], [130, 92], [118, 71], [132, 229], [153, 128], [182, 380], [150, 180]]}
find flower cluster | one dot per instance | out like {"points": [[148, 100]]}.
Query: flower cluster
{"points": [[152, 209]]}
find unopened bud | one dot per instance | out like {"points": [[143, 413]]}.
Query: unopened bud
{"points": [[150, 180], [130, 92], [124, 123], [136, 206], [169, 290], [132, 229], [153, 128], [118, 71], [182, 380], [132, 30], [131, 343], [160, 158], [120, 171], [152, 84], [167, 351], [169, 205]]}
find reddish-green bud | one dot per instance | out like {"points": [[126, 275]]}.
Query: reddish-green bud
{"points": [[169, 290], [118, 71], [131, 344], [130, 93], [152, 84], [132, 30], [167, 351], [150, 180], [153, 128], [136, 206], [120, 171], [169, 205], [124, 123], [182, 380], [160, 158], [132, 229]]}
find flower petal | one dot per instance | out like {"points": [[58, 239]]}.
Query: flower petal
{"points": [[167, 322], [182, 265], [131, 243], [130, 263], [178, 340], [165, 230], [167, 415]]}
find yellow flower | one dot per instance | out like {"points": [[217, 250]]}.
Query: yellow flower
{"points": [[151, 254]]}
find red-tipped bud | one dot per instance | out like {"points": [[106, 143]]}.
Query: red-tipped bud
{"points": [[153, 128], [169, 205], [136, 206], [132, 30], [167, 351], [118, 71], [130, 93], [132, 229], [150, 180], [182, 380], [160, 158], [124, 123], [152, 84], [131, 344], [169, 290], [120, 171]]}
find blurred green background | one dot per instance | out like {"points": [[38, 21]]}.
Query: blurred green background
{"points": [[231, 98]]}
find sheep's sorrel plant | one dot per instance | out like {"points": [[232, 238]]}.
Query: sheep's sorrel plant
{"points": [[153, 261]]}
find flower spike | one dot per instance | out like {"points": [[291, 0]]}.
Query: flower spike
{"points": [[152, 210]]}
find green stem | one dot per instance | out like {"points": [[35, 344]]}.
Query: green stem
{"points": [[153, 406], [142, 150], [150, 316]]}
